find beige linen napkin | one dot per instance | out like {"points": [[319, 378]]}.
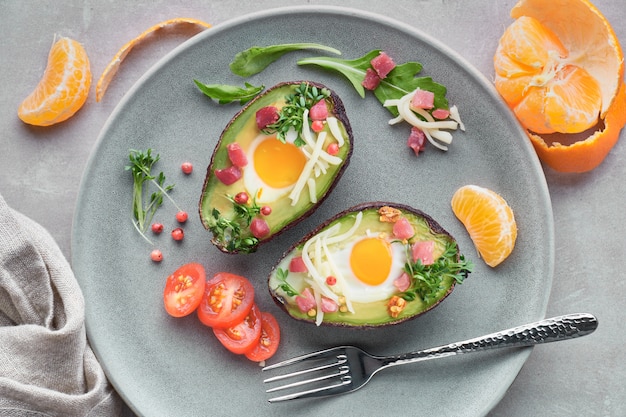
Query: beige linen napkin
{"points": [[46, 364]]}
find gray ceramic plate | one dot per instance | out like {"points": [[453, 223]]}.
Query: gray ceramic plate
{"points": [[164, 366]]}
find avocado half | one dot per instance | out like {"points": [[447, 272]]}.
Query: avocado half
{"points": [[321, 265], [241, 226]]}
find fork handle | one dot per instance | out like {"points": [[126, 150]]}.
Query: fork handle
{"points": [[554, 329]]}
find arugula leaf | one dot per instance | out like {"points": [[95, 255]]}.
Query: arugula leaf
{"points": [[255, 59], [353, 70], [225, 94], [400, 81]]}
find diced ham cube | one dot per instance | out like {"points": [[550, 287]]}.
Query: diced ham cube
{"points": [[329, 305], [382, 64], [297, 265], [402, 229], [228, 175], [403, 282], [440, 114], [306, 300], [259, 228], [424, 252], [236, 155], [265, 116], [372, 80], [417, 140], [319, 111], [423, 99]]}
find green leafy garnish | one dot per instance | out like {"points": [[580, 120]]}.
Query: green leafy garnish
{"points": [[229, 231], [292, 113], [281, 276], [257, 58], [226, 230], [144, 208], [225, 94], [399, 82], [427, 280]]}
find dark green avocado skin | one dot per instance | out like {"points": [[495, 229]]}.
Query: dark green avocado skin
{"points": [[206, 203]]}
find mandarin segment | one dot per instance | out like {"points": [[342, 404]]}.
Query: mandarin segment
{"points": [[63, 88], [585, 155], [546, 93], [488, 219]]}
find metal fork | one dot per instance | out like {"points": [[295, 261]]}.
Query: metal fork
{"points": [[350, 367]]}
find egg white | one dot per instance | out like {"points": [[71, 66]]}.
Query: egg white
{"points": [[253, 183], [360, 292]]}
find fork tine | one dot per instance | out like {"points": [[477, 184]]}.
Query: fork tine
{"points": [[342, 370], [316, 392], [341, 359], [313, 355]]}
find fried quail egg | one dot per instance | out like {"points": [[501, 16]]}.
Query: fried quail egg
{"points": [[273, 168], [369, 266]]}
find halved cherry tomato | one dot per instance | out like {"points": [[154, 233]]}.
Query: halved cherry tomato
{"points": [[244, 336], [184, 289], [227, 300], [268, 342]]}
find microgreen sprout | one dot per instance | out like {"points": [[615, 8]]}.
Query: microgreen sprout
{"points": [[145, 207], [427, 280]]}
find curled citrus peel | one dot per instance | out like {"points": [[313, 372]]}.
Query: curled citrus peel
{"points": [[560, 68], [63, 88], [113, 66]]}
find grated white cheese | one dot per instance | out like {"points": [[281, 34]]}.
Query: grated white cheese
{"points": [[335, 130], [318, 160], [316, 257], [432, 128]]}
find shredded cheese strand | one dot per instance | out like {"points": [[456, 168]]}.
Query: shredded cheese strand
{"points": [[308, 169], [333, 125], [430, 126]]}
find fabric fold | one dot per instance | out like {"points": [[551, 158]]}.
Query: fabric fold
{"points": [[46, 364]]}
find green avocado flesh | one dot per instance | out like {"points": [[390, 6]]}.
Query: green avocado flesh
{"points": [[335, 249], [308, 162]]}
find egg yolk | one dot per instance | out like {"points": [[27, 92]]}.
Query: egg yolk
{"points": [[370, 260], [278, 164]]}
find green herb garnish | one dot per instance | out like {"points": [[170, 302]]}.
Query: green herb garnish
{"points": [[399, 82], [281, 276], [229, 231], [426, 280], [144, 208], [292, 113], [257, 58], [225, 94]]}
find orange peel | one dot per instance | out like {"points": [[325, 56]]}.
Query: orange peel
{"points": [[559, 66], [113, 66]]}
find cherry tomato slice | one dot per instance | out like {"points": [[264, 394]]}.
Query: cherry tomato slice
{"points": [[244, 336], [269, 340], [227, 300], [184, 289]]}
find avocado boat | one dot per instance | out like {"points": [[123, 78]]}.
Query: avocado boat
{"points": [[372, 265], [274, 163]]}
